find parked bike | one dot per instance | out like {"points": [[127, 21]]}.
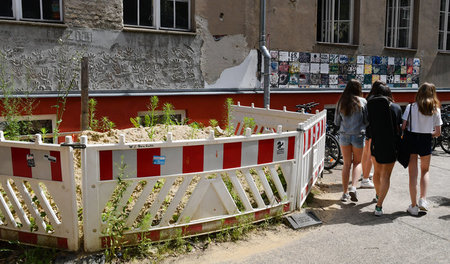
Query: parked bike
{"points": [[444, 139]]}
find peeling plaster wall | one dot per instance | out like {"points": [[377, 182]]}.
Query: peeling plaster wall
{"points": [[104, 14], [220, 54]]}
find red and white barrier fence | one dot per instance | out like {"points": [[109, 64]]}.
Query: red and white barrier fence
{"points": [[161, 190], [37, 194]]}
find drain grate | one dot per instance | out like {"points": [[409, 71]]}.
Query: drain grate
{"points": [[302, 220]]}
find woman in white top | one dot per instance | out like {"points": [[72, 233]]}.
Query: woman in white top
{"points": [[425, 123]]}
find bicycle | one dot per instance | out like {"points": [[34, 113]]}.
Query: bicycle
{"points": [[332, 147], [444, 139]]}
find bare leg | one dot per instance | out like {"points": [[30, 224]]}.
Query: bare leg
{"points": [[366, 160], [376, 176], [385, 180], [356, 172], [347, 155], [412, 168], [424, 175]]}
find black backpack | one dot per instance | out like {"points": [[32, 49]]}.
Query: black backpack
{"points": [[384, 134]]}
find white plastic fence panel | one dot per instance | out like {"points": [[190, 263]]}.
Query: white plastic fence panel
{"points": [[37, 194], [312, 154], [266, 120], [194, 186]]}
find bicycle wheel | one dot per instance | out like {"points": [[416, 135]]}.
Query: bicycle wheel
{"points": [[332, 152], [445, 138]]}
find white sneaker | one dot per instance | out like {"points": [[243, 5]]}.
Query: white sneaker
{"points": [[345, 197], [378, 211], [413, 210], [367, 183], [352, 192], [423, 204]]}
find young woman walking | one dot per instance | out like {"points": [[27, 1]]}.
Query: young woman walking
{"points": [[425, 116], [385, 118], [351, 117]]}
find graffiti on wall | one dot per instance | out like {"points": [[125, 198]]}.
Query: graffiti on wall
{"points": [[36, 58], [332, 71]]}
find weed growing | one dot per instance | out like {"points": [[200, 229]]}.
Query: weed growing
{"points": [[228, 108]]}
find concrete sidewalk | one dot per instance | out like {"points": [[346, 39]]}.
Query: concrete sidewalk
{"points": [[352, 234]]}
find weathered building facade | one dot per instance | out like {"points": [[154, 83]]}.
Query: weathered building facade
{"points": [[196, 53]]}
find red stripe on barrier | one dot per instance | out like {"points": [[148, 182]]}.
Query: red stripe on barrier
{"points": [[28, 238], [232, 153], [19, 158], [192, 229], [286, 207], [314, 134], [265, 151], [106, 242], [62, 243], [106, 165], [309, 139], [152, 235], [193, 158], [145, 166], [237, 128], [262, 214], [56, 166], [230, 221], [304, 143], [291, 148]]}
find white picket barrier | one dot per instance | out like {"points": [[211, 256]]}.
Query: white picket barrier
{"points": [[160, 190], [37, 194], [312, 128], [191, 187]]}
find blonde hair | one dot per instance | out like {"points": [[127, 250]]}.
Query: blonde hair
{"points": [[426, 99]]}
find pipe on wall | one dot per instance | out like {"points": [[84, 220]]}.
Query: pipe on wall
{"points": [[265, 52]]}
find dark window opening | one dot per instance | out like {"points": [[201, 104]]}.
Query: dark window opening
{"points": [[6, 9]]}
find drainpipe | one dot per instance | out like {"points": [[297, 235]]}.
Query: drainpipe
{"points": [[265, 52]]}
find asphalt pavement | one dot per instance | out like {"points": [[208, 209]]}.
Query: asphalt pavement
{"points": [[350, 233]]}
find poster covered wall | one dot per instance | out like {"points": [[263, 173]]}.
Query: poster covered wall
{"points": [[332, 71]]}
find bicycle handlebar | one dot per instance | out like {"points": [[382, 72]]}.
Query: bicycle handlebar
{"points": [[307, 106]]}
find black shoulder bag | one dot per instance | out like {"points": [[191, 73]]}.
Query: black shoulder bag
{"points": [[403, 150]]}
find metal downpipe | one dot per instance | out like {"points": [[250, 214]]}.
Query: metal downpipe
{"points": [[265, 52]]}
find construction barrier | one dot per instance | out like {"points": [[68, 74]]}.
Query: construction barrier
{"points": [[37, 194], [161, 190]]}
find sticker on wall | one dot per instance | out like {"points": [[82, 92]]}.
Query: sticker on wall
{"points": [[293, 80], [367, 68], [352, 59], [367, 59], [324, 58], [343, 69], [389, 79], [351, 69], [324, 68], [304, 57], [293, 56], [324, 80], [397, 78], [360, 69], [283, 66], [409, 70], [283, 79], [360, 78], [274, 55], [409, 61], [367, 78], [314, 78], [384, 60], [391, 61], [274, 80], [294, 67], [333, 79], [360, 59], [334, 58], [376, 60], [303, 79], [343, 59], [304, 67], [274, 66], [315, 57], [334, 68], [416, 62], [416, 70], [403, 69], [375, 77], [159, 160], [376, 69], [283, 56], [315, 68]]}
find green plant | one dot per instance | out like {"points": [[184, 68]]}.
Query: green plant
{"points": [[229, 129], [168, 114], [213, 123], [106, 124], [115, 217], [154, 100], [249, 122], [194, 128], [67, 76], [93, 122], [136, 121]]}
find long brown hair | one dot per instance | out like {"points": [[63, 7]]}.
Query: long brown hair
{"points": [[380, 88], [348, 102], [426, 99]]}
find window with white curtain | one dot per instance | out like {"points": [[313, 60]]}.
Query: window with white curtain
{"points": [[399, 24], [32, 10], [444, 20], [157, 14], [335, 21]]}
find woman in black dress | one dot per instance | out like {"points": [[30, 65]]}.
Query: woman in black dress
{"points": [[385, 118]]}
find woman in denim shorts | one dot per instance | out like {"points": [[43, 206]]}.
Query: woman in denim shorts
{"points": [[425, 124], [351, 117]]}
